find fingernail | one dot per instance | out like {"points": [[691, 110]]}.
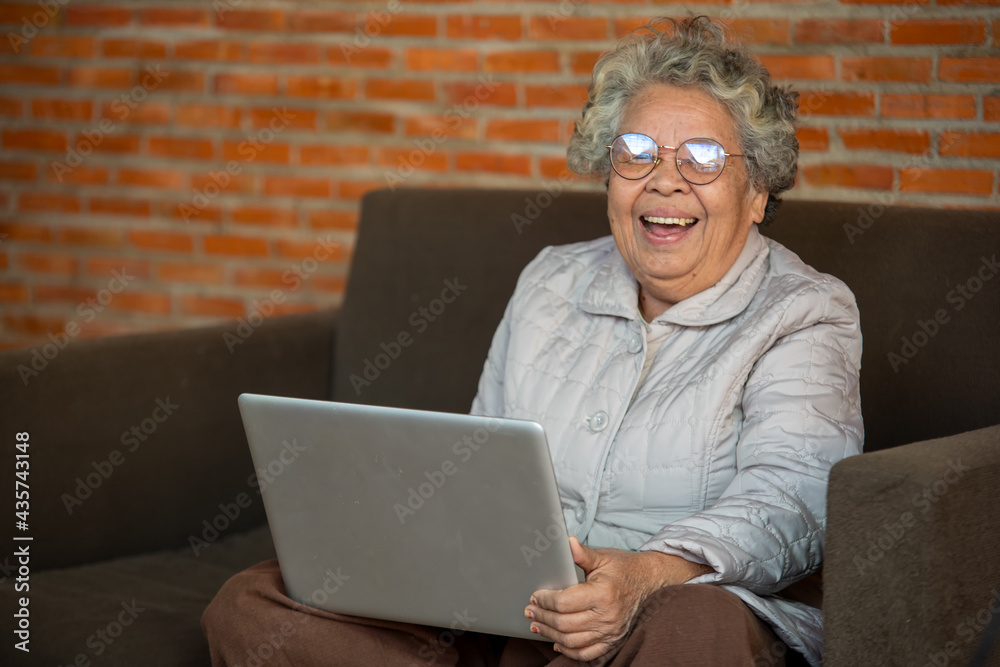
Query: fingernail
{"points": [[534, 600], [529, 613], [556, 649], [534, 628]]}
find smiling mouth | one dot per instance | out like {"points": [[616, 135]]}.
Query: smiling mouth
{"points": [[658, 226]]}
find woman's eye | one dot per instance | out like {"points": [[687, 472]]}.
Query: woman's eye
{"points": [[642, 158]]}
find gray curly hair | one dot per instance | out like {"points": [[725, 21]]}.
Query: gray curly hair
{"points": [[696, 52]]}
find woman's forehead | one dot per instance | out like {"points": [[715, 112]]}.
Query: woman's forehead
{"points": [[673, 113]]}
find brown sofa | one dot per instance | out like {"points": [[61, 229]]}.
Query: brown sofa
{"points": [[142, 500]]}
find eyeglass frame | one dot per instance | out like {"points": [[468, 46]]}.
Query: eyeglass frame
{"points": [[677, 161]]}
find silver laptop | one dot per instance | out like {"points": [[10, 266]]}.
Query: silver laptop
{"points": [[424, 517]]}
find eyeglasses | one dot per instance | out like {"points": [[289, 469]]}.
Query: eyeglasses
{"points": [[699, 161]]}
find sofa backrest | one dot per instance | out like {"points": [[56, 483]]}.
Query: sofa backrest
{"points": [[433, 270]]}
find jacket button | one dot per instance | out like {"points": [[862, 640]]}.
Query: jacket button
{"points": [[580, 514], [598, 421], [634, 344]]}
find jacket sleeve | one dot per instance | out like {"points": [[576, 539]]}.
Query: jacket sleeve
{"points": [[801, 414], [489, 397]]}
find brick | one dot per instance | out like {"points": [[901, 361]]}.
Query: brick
{"points": [[582, 62], [190, 272], [55, 263], [304, 249], [47, 202], [119, 206], [10, 107], [554, 168], [272, 152], [33, 232], [401, 25], [967, 3], [264, 216], [969, 70], [181, 147], [813, 138], [264, 278], [905, 141], [193, 304], [155, 303], [251, 19], [279, 53], [97, 16], [323, 87], [152, 113], [483, 27], [885, 2], [208, 115], [439, 127], [107, 143], [522, 130], [152, 178], [623, 27], [873, 177], [991, 108], [886, 69], [767, 31], [30, 75], [246, 84], [799, 67], [235, 246], [133, 48], [494, 163], [209, 50], [928, 106], [175, 18], [325, 219], [240, 183], [415, 158], [18, 171], [548, 28], [15, 13], [90, 236], [103, 267], [62, 109], [332, 155], [969, 144], [13, 293], [333, 284], [304, 119], [823, 103], [149, 239], [64, 293], [346, 53], [470, 94], [188, 212], [838, 31], [34, 325], [297, 186], [555, 95], [183, 82], [322, 21], [522, 61], [360, 121], [937, 31], [59, 46], [441, 60], [399, 89], [79, 175], [946, 181], [355, 190], [99, 77]]}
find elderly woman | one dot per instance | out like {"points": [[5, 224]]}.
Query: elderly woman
{"points": [[695, 380]]}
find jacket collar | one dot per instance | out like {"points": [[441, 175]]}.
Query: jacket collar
{"points": [[614, 290]]}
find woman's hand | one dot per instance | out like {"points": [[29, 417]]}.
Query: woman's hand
{"points": [[588, 620]]}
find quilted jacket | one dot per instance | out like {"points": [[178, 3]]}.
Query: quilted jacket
{"points": [[722, 454]]}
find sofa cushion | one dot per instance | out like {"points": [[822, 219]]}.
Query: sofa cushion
{"points": [[142, 610]]}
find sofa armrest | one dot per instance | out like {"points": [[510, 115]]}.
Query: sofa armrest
{"points": [[136, 441], [912, 569]]}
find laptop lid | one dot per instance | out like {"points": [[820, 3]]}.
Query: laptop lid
{"points": [[408, 515]]}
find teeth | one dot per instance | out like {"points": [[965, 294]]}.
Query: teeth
{"points": [[670, 221]]}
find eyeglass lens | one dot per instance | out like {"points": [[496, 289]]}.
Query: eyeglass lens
{"points": [[699, 161]]}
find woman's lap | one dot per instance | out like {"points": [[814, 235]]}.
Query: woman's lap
{"points": [[252, 623]]}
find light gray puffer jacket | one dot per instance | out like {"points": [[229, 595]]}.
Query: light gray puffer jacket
{"points": [[722, 455]]}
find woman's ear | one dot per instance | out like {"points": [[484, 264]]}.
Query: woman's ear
{"points": [[758, 203]]}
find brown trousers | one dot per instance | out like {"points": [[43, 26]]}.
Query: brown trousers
{"points": [[252, 623]]}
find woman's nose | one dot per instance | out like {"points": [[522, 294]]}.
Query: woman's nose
{"points": [[666, 178]]}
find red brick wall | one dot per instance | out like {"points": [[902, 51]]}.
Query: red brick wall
{"points": [[168, 164]]}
